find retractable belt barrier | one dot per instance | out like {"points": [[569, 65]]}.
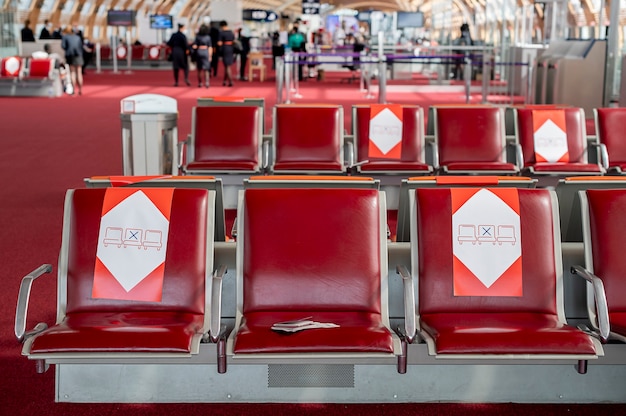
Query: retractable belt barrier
{"points": [[288, 79]]}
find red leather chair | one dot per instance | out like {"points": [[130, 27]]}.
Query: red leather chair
{"points": [[11, 67], [604, 234], [413, 156], [224, 139], [138, 52], [610, 123], [486, 309], [105, 53], [165, 314], [578, 163], [40, 68], [296, 262], [472, 140], [308, 139]]}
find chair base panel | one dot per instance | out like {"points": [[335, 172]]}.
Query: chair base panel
{"points": [[429, 381]]}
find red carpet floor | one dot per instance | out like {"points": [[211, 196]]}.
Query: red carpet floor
{"points": [[50, 145]]}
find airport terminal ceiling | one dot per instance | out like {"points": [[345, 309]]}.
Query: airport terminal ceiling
{"points": [[438, 14]]}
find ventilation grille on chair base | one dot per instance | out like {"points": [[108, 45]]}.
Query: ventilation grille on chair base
{"points": [[310, 375]]}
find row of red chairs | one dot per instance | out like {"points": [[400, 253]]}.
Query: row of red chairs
{"points": [[298, 267], [137, 52], [17, 67], [466, 140]]}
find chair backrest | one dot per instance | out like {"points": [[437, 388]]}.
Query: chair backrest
{"points": [[256, 59], [609, 129], [403, 225], [575, 130], [210, 183], [113, 236], [226, 134], [412, 133], [40, 68], [486, 250], [470, 134], [604, 235], [310, 181], [567, 191], [11, 66], [308, 138], [138, 52], [292, 254]]}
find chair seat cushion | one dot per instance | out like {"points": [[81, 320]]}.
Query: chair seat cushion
{"points": [[223, 165], [394, 165], [618, 322], [170, 332], [481, 166], [504, 333], [308, 166], [357, 332], [566, 167]]}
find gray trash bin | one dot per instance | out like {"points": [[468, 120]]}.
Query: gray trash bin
{"points": [[149, 135]]}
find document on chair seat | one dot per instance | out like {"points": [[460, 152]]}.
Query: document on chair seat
{"points": [[301, 325]]}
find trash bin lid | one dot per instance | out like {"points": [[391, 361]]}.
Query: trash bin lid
{"points": [[148, 104]]}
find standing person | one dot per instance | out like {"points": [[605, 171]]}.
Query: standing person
{"points": [[214, 33], [297, 43], [45, 31], [464, 40], [73, 47], [277, 48], [204, 50], [180, 48], [88, 50], [225, 42], [27, 32], [243, 55]]}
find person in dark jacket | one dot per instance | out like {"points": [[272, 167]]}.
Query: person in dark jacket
{"points": [[225, 43], [214, 33], [180, 48], [203, 51], [27, 33], [243, 55], [45, 31]]}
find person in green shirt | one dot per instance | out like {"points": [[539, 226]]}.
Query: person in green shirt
{"points": [[297, 43]]}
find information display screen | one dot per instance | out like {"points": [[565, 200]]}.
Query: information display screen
{"points": [[410, 19], [121, 18], [161, 21]]}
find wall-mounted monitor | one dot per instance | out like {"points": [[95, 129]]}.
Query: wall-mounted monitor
{"points": [[121, 18], [161, 21], [410, 19]]}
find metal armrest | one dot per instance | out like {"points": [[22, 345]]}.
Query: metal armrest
{"points": [[430, 142], [409, 302], [599, 296], [216, 302], [233, 231], [351, 157], [519, 155], [21, 312], [361, 163], [604, 156], [266, 153], [181, 152]]}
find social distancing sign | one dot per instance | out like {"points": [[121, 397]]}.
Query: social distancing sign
{"points": [[486, 242], [385, 141], [550, 137], [132, 244]]}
